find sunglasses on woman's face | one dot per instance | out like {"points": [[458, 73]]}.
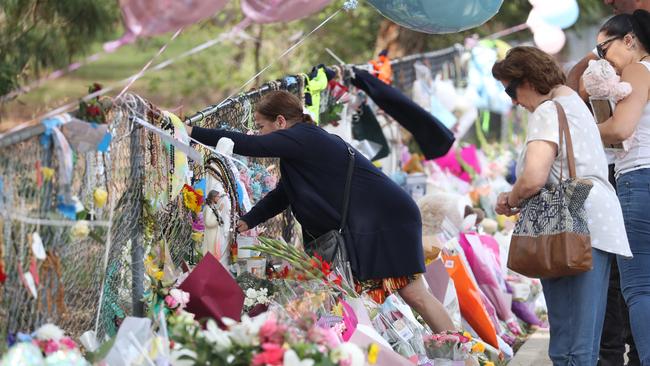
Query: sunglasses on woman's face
{"points": [[602, 52], [511, 88]]}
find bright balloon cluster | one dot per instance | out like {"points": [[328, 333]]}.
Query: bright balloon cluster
{"points": [[548, 18], [438, 16]]}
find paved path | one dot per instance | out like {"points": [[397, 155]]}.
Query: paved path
{"points": [[534, 352]]}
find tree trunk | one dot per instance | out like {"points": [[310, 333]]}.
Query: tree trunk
{"points": [[398, 40]]}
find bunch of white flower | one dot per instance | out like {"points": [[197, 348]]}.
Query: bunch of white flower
{"points": [[254, 297]]}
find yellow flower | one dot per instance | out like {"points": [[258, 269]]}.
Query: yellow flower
{"points": [[479, 347], [467, 335], [191, 199], [197, 236], [338, 310], [489, 363], [48, 173], [159, 275], [373, 351], [100, 196]]}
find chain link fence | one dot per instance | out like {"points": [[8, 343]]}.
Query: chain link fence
{"points": [[92, 282]]}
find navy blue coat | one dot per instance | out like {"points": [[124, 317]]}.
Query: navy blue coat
{"points": [[384, 231]]}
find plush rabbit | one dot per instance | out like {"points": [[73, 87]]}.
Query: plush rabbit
{"points": [[601, 81]]}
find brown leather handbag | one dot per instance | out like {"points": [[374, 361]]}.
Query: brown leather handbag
{"points": [[551, 237]]}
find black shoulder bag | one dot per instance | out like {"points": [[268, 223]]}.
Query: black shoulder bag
{"points": [[331, 246]]}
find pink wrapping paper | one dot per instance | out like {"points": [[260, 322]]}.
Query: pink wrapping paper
{"points": [[450, 163], [486, 279], [438, 279], [363, 338]]}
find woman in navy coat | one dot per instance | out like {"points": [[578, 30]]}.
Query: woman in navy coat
{"points": [[383, 235]]}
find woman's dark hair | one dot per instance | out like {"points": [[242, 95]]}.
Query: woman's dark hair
{"points": [[283, 103], [637, 23], [532, 65]]}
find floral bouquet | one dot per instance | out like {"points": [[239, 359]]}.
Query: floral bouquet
{"points": [[455, 346], [163, 282], [305, 267], [96, 109], [193, 201], [259, 293], [262, 340], [48, 345]]}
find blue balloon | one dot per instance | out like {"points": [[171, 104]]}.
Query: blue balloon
{"points": [[438, 16], [563, 16]]}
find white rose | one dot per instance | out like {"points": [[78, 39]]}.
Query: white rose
{"points": [[292, 359], [349, 352], [251, 293], [80, 230], [217, 336]]}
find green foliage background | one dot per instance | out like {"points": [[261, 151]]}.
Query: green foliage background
{"points": [[37, 36]]}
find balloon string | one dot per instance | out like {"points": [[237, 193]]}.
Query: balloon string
{"points": [[508, 31]]}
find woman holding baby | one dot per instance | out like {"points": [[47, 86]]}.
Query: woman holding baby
{"points": [[624, 41]]}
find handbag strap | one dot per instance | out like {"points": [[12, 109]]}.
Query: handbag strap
{"points": [[565, 133], [348, 187]]}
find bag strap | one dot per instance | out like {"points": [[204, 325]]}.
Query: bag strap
{"points": [[565, 133], [348, 187]]}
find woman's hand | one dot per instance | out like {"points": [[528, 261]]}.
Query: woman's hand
{"points": [[503, 208], [188, 128], [242, 226]]}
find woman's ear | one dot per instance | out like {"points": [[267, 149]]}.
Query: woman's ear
{"points": [[282, 122], [629, 41]]}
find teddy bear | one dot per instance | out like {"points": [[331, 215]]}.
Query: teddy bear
{"points": [[441, 212], [601, 81], [603, 85]]}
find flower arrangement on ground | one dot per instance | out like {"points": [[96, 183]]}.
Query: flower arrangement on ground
{"points": [[267, 339], [456, 346]]}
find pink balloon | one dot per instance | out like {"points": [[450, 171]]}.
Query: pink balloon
{"points": [[271, 11], [144, 18], [549, 39]]}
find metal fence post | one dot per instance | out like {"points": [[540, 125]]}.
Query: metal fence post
{"points": [[137, 244]]}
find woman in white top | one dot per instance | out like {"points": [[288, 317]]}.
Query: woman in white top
{"points": [[576, 304], [624, 41]]}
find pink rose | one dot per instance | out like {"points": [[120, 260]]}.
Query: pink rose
{"points": [[180, 297], [68, 343], [272, 332], [50, 347], [171, 302], [273, 355]]}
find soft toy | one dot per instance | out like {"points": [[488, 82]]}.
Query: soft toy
{"points": [[603, 84], [490, 226], [414, 164], [601, 81], [435, 209]]}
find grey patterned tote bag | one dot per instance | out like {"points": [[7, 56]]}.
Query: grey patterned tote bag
{"points": [[551, 237]]}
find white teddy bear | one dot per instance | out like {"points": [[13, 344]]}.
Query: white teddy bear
{"points": [[601, 81]]}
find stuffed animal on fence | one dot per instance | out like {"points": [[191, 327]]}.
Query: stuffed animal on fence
{"points": [[601, 81]]}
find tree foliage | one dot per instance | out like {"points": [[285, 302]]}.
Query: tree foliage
{"points": [[37, 34]]}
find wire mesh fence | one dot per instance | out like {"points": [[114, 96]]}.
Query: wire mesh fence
{"points": [[93, 281]]}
